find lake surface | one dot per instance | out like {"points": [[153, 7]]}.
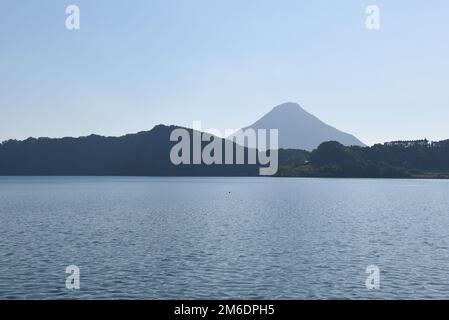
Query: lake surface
{"points": [[223, 238]]}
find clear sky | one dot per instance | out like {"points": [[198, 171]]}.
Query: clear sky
{"points": [[137, 63]]}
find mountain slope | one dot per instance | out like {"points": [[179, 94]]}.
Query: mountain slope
{"points": [[145, 153], [299, 129]]}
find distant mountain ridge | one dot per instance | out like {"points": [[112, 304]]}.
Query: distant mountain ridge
{"points": [[146, 153], [298, 129]]}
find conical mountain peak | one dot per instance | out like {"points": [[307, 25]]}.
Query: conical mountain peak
{"points": [[299, 129]]}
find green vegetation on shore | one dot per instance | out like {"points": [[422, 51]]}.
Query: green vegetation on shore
{"points": [[399, 159]]}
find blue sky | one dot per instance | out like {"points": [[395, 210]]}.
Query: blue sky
{"points": [[134, 64]]}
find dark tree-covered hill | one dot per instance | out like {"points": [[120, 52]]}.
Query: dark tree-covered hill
{"points": [[145, 153]]}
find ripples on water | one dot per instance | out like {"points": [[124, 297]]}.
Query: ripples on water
{"points": [[223, 238]]}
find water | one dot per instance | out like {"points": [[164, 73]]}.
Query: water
{"points": [[223, 238]]}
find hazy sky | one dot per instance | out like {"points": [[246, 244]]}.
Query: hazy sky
{"points": [[134, 64]]}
